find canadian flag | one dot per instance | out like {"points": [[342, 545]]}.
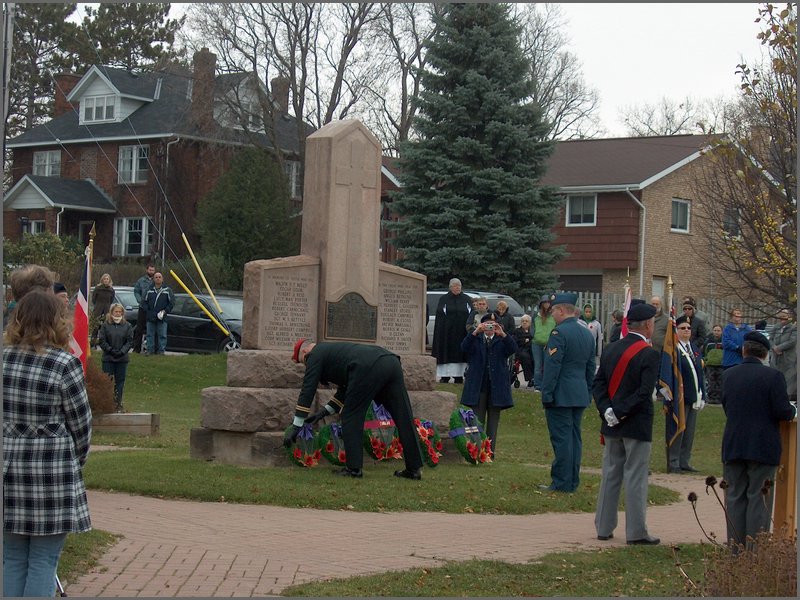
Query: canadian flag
{"points": [[79, 344]]}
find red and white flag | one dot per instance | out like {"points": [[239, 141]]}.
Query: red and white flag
{"points": [[79, 344], [625, 309]]}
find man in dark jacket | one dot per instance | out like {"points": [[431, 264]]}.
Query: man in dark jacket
{"points": [[362, 373], [755, 400], [623, 392], [158, 303], [139, 291], [486, 387], [569, 365]]}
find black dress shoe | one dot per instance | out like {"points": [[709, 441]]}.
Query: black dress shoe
{"points": [[645, 541], [409, 474], [604, 538], [458, 380], [345, 472], [689, 469], [674, 471], [444, 380]]}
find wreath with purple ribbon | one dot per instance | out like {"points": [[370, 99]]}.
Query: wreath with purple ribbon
{"points": [[467, 433], [429, 441], [331, 443], [304, 451], [380, 434]]}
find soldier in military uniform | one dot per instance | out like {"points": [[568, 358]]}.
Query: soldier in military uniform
{"points": [[569, 364], [362, 373]]}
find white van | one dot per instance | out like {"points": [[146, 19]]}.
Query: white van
{"points": [[492, 299]]}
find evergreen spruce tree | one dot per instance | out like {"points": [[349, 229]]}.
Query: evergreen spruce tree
{"points": [[470, 205]]}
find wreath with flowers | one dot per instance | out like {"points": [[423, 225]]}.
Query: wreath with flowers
{"points": [[380, 434], [469, 437], [331, 444], [305, 451], [429, 440]]}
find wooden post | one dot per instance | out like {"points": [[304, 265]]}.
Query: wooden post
{"points": [[785, 515]]}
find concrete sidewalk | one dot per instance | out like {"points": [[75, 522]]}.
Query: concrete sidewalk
{"points": [[181, 548]]}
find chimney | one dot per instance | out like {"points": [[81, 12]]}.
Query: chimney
{"points": [[202, 110], [280, 93], [65, 83]]}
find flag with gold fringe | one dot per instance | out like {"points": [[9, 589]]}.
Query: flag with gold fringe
{"points": [[670, 382]]}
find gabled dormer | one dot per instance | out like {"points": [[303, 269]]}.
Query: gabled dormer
{"points": [[110, 95]]}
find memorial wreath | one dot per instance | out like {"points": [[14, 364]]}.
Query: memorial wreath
{"points": [[304, 451], [380, 434], [430, 442], [467, 433], [331, 444]]}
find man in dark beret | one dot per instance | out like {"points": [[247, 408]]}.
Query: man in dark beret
{"points": [[755, 401], [623, 391], [362, 373]]}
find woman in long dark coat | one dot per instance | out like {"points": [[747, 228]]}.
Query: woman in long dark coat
{"points": [[448, 332]]}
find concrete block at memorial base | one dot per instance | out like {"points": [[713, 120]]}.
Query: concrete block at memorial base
{"points": [[419, 372], [264, 449], [435, 407], [252, 409], [266, 369]]}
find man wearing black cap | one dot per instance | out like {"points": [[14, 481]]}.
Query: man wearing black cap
{"points": [[363, 373], [755, 400], [623, 391], [569, 362]]}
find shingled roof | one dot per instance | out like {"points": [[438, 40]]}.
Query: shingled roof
{"points": [[76, 194], [619, 163], [168, 114]]}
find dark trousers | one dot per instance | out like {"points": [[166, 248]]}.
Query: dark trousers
{"points": [[139, 332], [564, 425], [679, 455], [117, 371], [526, 360], [384, 383], [488, 415], [749, 511]]}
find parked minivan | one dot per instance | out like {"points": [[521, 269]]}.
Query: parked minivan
{"points": [[492, 299]]}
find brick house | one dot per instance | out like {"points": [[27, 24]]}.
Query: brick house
{"points": [[135, 152]]}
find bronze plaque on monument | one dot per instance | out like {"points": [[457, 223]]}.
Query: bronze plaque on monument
{"points": [[351, 318]]}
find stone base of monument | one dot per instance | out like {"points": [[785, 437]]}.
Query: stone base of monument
{"points": [[243, 423], [135, 423]]}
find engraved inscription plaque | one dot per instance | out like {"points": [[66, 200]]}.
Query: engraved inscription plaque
{"points": [[351, 318]]}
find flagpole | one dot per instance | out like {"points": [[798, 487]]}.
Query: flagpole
{"points": [[92, 234]]}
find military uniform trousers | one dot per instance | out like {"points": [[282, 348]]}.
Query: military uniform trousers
{"points": [[625, 462], [748, 510], [679, 455], [564, 425], [383, 382]]}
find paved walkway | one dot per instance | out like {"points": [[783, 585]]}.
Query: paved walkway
{"points": [[181, 548]]}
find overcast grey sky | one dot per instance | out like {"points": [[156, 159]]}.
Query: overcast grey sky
{"points": [[640, 52]]}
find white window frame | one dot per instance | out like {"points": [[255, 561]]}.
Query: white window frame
{"points": [[36, 227], [291, 169], [677, 228], [732, 219], [132, 169], [126, 229], [583, 197], [99, 109], [47, 163]]}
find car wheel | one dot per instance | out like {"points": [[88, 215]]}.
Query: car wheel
{"points": [[228, 344]]}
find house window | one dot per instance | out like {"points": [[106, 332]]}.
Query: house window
{"points": [[581, 210], [133, 164], [291, 168], [680, 215], [37, 227], [133, 236], [99, 108], [731, 222], [252, 115], [47, 163]]}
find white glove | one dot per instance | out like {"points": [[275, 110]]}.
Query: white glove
{"points": [[610, 417], [161, 315], [699, 404]]}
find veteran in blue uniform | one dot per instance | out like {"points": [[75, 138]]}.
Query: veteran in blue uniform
{"points": [[569, 365]]}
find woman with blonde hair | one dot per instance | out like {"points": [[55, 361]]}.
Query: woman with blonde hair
{"points": [[116, 340], [102, 298], [47, 428]]}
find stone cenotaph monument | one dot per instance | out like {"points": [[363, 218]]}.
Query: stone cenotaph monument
{"points": [[337, 289]]}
